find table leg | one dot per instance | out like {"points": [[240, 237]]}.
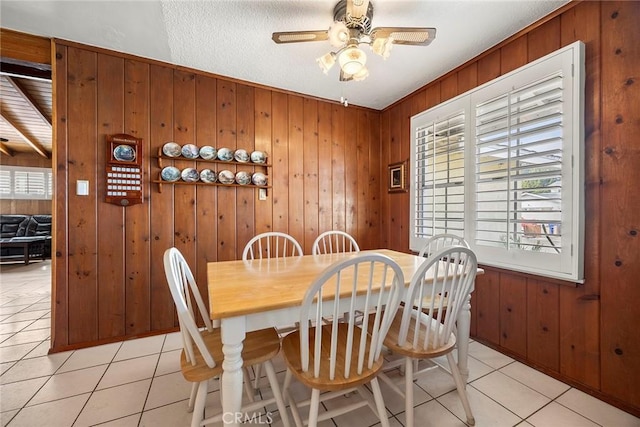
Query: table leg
{"points": [[233, 333], [26, 253], [464, 330]]}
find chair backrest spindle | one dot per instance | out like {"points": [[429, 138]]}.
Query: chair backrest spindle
{"points": [[373, 283], [449, 273], [334, 241]]}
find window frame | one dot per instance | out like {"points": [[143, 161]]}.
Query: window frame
{"points": [[15, 170], [569, 264]]}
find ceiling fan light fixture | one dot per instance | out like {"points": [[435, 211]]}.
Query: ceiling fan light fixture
{"points": [[326, 61], [352, 60], [338, 34], [382, 46]]}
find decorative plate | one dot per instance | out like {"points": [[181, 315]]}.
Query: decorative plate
{"points": [[170, 173], [258, 157], [190, 175], [226, 177], [208, 152], [171, 149], [259, 179], [243, 178], [207, 175], [190, 151], [241, 156], [225, 154], [124, 153]]}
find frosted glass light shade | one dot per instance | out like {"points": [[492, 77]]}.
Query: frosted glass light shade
{"points": [[326, 61], [352, 60], [382, 46], [361, 75], [338, 34]]}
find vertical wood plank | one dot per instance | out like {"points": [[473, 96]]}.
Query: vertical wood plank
{"points": [[620, 260], [310, 165], [111, 271], [338, 166], [513, 55], [544, 39], [325, 184], [449, 87], [373, 208], [206, 207], [262, 105], [385, 200], [245, 203], [489, 67], [280, 171], [395, 155], [296, 168], [82, 164], [361, 183], [486, 301], [184, 195], [580, 307], [161, 204], [227, 137], [351, 166], [543, 334], [137, 249], [513, 313], [468, 78], [60, 225]]}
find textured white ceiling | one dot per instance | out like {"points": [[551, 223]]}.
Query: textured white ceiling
{"points": [[233, 38]]}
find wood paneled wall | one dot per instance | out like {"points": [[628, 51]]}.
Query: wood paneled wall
{"points": [[586, 335], [109, 281], [19, 206]]}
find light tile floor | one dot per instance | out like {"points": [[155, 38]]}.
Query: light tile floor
{"points": [[138, 382]]}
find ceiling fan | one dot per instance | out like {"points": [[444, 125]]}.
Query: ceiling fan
{"points": [[352, 27]]}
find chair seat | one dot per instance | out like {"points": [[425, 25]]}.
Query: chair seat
{"points": [[391, 341], [259, 346], [291, 352]]}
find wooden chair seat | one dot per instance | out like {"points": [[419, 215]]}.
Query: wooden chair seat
{"points": [[259, 346], [432, 350], [291, 352]]}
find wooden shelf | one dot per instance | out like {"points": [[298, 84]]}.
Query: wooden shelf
{"points": [[198, 159], [161, 158], [162, 182]]}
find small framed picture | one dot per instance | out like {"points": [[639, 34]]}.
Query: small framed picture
{"points": [[398, 177]]}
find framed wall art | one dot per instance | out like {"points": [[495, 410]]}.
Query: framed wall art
{"points": [[397, 177]]}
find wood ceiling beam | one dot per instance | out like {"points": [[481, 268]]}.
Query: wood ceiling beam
{"points": [[34, 144], [5, 150], [27, 97], [25, 47]]}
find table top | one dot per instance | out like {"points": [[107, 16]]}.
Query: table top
{"points": [[238, 288]]}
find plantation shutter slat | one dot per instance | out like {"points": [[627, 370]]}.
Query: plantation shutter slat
{"points": [[519, 167]]}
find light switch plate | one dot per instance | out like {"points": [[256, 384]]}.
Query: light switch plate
{"points": [[262, 194], [82, 187]]}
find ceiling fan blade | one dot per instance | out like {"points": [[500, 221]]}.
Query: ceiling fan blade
{"points": [[299, 36], [357, 8], [405, 35]]}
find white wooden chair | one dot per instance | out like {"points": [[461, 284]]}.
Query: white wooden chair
{"points": [[440, 241], [334, 241], [272, 244], [338, 358], [419, 332], [202, 356]]}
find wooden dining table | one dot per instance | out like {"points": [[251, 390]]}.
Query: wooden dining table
{"points": [[255, 294]]}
